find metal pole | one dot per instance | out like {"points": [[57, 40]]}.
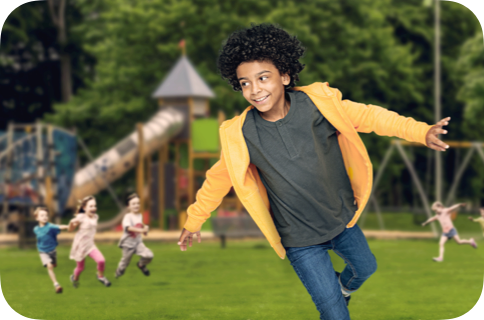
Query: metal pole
{"points": [[438, 115], [451, 195], [379, 174], [415, 179]]}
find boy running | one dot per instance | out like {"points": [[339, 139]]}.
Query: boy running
{"points": [[131, 241], [298, 165], [443, 215], [46, 234]]}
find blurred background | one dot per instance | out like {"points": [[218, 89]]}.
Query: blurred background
{"points": [[91, 68]]}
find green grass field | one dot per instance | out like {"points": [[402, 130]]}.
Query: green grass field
{"points": [[244, 281]]}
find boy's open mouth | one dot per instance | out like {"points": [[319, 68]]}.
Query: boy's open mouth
{"points": [[261, 99]]}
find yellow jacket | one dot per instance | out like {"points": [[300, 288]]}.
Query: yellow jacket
{"points": [[349, 118]]}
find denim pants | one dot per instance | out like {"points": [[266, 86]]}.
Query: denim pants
{"points": [[315, 269]]}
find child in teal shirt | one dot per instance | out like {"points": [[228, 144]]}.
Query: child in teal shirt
{"points": [[46, 234]]}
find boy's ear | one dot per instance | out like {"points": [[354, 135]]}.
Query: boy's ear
{"points": [[286, 79]]}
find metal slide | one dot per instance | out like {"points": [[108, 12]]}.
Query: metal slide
{"points": [[115, 162]]}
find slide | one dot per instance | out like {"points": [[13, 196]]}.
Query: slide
{"points": [[111, 165]]}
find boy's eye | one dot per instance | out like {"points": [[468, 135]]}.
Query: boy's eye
{"points": [[244, 84], [263, 78]]}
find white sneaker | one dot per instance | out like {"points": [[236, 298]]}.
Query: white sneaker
{"points": [[104, 281]]}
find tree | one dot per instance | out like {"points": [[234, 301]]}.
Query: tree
{"points": [[57, 10], [30, 65]]}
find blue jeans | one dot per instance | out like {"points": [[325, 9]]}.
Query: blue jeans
{"points": [[315, 269]]}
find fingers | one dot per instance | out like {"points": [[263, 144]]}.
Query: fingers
{"points": [[190, 239], [443, 122], [437, 144], [199, 237], [182, 241]]}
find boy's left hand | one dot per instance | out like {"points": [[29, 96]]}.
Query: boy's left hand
{"points": [[431, 138]]}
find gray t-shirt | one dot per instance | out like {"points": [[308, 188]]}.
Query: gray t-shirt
{"points": [[131, 239], [300, 164]]}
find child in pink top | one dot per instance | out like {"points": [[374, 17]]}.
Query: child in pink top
{"points": [[83, 244], [443, 215]]}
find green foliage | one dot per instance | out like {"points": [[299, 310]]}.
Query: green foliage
{"points": [[471, 65], [378, 52]]}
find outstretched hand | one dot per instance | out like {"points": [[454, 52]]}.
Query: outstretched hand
{"points": [[432, 140], [187, 236]]}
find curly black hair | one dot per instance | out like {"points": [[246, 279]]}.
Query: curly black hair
{"points": [[260, 43]]}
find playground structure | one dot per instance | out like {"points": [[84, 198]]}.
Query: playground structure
{"points": [[397, 145], [37, 164], [46, 175]]}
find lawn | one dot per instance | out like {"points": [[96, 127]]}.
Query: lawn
{"points": [[244, 281]]}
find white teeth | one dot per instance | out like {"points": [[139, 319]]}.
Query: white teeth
{"points": [[261, 99]]}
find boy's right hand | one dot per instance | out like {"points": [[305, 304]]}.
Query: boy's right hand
{"points": [[470, 218], [187, 235]]}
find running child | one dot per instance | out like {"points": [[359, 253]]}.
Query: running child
{"points": [[46, 234], [443, 215], [480, 220], [298, 165], [131, 241], [83, 244]]}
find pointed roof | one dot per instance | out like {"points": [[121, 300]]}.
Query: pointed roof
{"points": [[183, 81]]}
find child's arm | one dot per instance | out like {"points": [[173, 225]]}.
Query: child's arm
{"points": [[138, 230], [215, 187], [370, 118], [429, 220], [63, 226], [208, 198], [456, 206], [73, 224]]}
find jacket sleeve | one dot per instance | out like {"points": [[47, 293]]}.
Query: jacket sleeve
{"points": [[215, 187], [370, 118]]}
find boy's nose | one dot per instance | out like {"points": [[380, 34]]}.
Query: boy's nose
{"points": [[255, 89]]}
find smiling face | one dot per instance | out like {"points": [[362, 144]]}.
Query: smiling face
{"points": [[42, 217], [134, 205], [482, 212], [90, 207], [263, 85]]}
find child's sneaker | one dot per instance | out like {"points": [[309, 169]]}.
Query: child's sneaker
{"points": [[347, 299], [104, 281], [118, 273], [438, 259], [75, 283], [58, 288], [143, 269], [473, 243]]}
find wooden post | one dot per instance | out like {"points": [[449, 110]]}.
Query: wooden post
{"points": [[190, 157], [177, 176], [49, 177], [140, 167], [8, 171], [147, 172], [162, 159], [40, 162]]}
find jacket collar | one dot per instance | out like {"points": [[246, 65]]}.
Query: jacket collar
{"points": [[236, 152]]}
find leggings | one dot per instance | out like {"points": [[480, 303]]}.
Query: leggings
{"points": [[97, 256]]}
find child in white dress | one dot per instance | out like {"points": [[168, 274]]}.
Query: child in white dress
{"points": [[83, 244], [131, 241]]}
